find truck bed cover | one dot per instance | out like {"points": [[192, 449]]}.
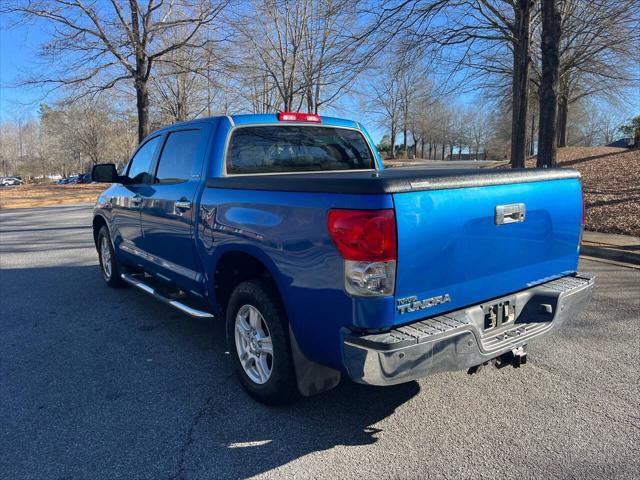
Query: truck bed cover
{"points": [[392, 180]]}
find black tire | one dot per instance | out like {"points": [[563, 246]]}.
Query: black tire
{"points": [[111, 272], [281, 387]]}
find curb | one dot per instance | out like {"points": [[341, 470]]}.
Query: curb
{"points": [[611, 254]]}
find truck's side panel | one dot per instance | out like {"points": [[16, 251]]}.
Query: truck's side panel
{"points": [[288, 233]]}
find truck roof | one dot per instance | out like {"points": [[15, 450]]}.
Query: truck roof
{"points": [[261, 119], [253, 119]]}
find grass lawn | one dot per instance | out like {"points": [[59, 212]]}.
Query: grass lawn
{"points": [[25, 196]]}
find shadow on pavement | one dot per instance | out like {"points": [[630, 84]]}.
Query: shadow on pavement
{"points": [[98, 382]]}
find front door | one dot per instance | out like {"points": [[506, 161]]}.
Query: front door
{"points": [[126, 229], [169, 209]]}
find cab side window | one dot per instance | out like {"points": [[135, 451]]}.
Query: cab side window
{"points": [[141, 164], [178, 157]]}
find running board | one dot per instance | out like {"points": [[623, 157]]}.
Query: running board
{"points": [[174, 303]]}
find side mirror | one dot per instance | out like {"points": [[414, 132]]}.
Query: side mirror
{"points": [[105, 173]]}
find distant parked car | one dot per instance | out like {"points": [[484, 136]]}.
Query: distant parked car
{"points": [[84, 178], [11, 181], [69, 180]]}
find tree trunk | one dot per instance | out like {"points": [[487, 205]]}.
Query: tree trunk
{"points": [[404, 139], [563, 113], [442, 152], [393, 143], [142, 104], [520, 82], [549, 84], [533, 132], [310, 98]]}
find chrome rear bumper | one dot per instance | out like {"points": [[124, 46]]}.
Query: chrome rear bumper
{"points": [[459, 340]]}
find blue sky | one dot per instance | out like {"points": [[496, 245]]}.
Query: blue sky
{"points": [[18, 48]]}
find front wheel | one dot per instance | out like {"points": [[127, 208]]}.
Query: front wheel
{"points": [[108, 263], [258, 336]]}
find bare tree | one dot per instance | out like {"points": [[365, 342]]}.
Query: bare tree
{"points": [[413, 87], [180, 85], [608, 126], [478, 123], [275, 31], [67, 138], [305, 52], [599, 48], [331, 60], [386, 104], [488, 38], [99, 44]]}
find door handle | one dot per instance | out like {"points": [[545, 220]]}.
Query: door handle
{"points": [[183, 204], [136, 200], [513, 213]]}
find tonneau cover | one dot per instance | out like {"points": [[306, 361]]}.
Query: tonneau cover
{"points": [[392, 180]]}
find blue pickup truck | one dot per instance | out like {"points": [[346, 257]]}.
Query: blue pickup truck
{"points": [[324, 264]]}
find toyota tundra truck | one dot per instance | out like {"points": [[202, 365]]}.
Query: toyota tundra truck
{"points": [[324, 264]]}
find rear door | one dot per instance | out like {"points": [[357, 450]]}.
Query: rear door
{"points": [[462, 246], [169, 209], [126, 202]]}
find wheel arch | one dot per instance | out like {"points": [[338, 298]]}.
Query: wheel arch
{"points": [[98, 222], [235, 265]]}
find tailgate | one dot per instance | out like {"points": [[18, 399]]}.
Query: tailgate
{"points": [[452, 252]]}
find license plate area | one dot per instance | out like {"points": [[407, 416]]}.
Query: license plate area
{"points": [[499, 314]]}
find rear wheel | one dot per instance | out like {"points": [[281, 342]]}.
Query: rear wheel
{"points": [[108, 263], [258, 336]]}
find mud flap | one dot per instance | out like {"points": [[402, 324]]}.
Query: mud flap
{"points": [[312, 378]]}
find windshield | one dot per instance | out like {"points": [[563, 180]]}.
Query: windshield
{"points": [[293, 148]]}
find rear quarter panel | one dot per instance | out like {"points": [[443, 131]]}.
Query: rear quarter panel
{"points": [[287, 231]]}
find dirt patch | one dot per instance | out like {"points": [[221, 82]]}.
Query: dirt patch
{"points": [[611, 181], [26, 196]]}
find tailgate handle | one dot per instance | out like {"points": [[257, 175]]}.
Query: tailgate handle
{"points": [[512, 213]]}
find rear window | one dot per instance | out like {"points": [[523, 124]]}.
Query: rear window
{"points": [[273, 149], [178, 157]]}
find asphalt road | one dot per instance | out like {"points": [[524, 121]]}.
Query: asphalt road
{"points": [[102, 383]]}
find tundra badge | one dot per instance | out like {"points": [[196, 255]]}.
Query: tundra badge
{"points": [[412, 304]]}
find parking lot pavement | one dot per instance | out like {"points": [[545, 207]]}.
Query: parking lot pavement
{"points": [[102, 383]]}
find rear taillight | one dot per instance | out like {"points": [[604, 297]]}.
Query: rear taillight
{"points": [[299, 117], [366, 239]]}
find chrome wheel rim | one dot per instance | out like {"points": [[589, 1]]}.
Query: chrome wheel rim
{"points": [[253, 344], [105, 256]]}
